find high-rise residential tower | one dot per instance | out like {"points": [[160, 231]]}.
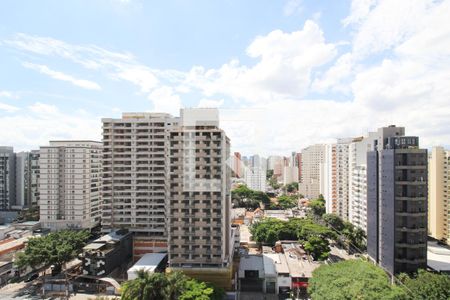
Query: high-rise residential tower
{"points": [[69, 184], [397, 203], [7, 177], [255, 173], [198, 198], [134, 177], [335, 178], [439, 194], [311, 163]]}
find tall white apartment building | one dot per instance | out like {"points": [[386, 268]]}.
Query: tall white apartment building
{"points": [[311, 163], [69, 184], [255, 173], [439, 194], [335, 178], [134, 177], [198, 199]]}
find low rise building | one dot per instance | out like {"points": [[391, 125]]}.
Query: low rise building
{"points": [[106, 253], [150, 263]]}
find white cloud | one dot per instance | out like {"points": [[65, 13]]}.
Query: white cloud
{"points": [[40, 123], [8, 94], [210, 103], [272, 111], [85, 84], [164, 100], [284, 65], [292, 7], [384, 24], [8, 108]]}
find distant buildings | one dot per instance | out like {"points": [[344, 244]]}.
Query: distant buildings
{"points": [[312, 159], [335, 178], [397, 202], [237, 166], [7, 177], [19, 174], [439, 194], [255, 173], [69, 184]]}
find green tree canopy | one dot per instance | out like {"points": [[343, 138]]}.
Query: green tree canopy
{"points": [[171, 286], [317, 207], [291, 187], [55, 248], [318, 247], [249, 198], [427, 286], [333, 221], [352, 279]]}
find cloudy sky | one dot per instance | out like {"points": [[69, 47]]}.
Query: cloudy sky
{"points": [[284, 73]]}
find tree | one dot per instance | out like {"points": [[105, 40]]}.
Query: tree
{"points": [[352, 279], [291, 187], [171, 286], [196, 290], [354, 237], [145, 287], [426, 285], [243, 194], [317, 207], [55, 248], [318, 247], [333, 221], [267, 231], [286, 202], [311, 229]]}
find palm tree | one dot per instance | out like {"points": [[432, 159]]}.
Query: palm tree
{"points": [[145, 287], [176, 282]]}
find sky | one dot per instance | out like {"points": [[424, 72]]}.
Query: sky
{"points": [[285, 74]]}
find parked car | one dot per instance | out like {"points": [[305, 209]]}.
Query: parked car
{"points": [[32, 277]]}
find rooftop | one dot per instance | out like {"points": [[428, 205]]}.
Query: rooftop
{"points": [[149, 262], [438, 257]]}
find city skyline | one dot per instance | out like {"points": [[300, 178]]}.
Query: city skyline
{"points": [[339, 65]]}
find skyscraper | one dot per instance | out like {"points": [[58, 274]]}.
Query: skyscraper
{"points": [[134, 177], [70, 182], [397, 203], [312, 160], [335, 178], [198, 198], [439, 194], [7, 177]]}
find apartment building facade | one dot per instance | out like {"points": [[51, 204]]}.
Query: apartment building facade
{"points": [[312, 160], [397, 204], [69, 184], [335, 178], [7, 177], [134, 177], [439, 194], [198, 198], [255, 173]]}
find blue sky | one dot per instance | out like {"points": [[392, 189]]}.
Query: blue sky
{"points": [[285, 74]]}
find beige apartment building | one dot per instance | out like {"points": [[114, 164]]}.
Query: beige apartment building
{"points": [[439, 194], [198, 199], [311, 164], [69, 184], [134, 177]]}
